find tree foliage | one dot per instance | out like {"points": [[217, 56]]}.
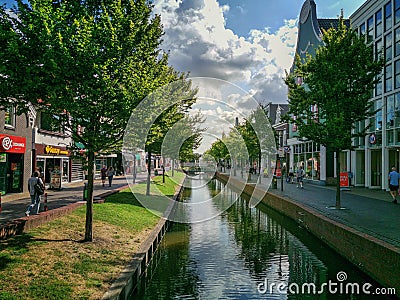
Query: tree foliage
{"points": [[335, 90], [90, 62]]}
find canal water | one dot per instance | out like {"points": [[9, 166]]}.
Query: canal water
{"points": [[247, 253]]}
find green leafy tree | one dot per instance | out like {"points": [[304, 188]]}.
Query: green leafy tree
{"points": [[334, 96], [88, 62]]}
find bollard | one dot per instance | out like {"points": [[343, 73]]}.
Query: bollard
{"points": [[45, 202], [0, 202]]}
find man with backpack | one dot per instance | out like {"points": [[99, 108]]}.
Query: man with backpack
{"points": [[34, 192]]}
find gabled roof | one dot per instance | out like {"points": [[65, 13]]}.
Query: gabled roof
{"points": [[329, 23]]}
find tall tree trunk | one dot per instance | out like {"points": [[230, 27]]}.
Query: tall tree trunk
{"points": [[337, 205], [148, 173], [173, 167], [89, 200]]}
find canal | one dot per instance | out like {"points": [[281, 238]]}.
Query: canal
{"points": [[246, 253]]}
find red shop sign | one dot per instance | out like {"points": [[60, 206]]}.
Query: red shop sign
{"points": [[344, 179], [12, 144]]}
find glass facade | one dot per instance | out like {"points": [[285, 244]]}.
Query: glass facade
{"points": [[380, 150]]}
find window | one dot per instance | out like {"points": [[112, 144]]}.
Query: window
{"points": [[388, 78], [378, 116], [9, 117], [370, 24], [390, 112], [397, 74], [388, 16], [397, 11], [362, 29], [397, 42], [50, 122], [397, 110], [378, 49], [378, 88], [378, 23], [388, 47]]}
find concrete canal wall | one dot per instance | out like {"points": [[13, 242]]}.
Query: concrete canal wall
{"points": [[377, 258], [126, 283]]}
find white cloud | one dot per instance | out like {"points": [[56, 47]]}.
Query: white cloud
{"points": [[199, 43]]}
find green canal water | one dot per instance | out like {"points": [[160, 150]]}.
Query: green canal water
{"points": [[247, 253]]}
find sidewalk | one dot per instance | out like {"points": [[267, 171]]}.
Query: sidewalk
{"points": [[368, 211], [15, 205]]}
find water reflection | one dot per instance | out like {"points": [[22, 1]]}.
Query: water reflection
{"points": [[240, 254]]}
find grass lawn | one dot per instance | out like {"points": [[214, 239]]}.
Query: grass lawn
{"points": [[52, 262]]}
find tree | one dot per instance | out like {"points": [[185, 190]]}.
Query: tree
{"points": [[90, 62], [334, 96]]}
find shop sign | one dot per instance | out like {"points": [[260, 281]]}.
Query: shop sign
{"points": [[55, 151], [12, 144], [344, 179]]}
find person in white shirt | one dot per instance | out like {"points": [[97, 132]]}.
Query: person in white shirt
{"points": [[35, 197]]}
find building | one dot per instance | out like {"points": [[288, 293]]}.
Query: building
{"points": [[16, 151], [51, 152], [274, 113], [318, 163], [379, 21]]}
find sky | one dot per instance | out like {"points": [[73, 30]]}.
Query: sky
{"points": [[244, 46], [247, 42]]}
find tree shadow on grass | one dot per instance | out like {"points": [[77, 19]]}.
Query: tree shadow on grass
{"points": [[15, 245]]}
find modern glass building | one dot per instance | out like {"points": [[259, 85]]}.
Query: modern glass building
{"points": [[379, 21], [379, 150]]}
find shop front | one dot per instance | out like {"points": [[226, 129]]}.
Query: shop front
{"points": [[54, 162], [12, 151]]}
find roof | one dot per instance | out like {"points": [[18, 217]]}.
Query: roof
{"points": [[329, 23], [273, 108]]}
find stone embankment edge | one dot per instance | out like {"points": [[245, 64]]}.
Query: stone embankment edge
{"points": [[21, 225], [126, 283], [375, 257]]}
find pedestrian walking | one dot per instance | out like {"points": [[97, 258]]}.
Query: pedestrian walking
{"points": [[291, 175], [394, 179], [35, 197], [110, 175], [299, 175], [103, 173]]}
